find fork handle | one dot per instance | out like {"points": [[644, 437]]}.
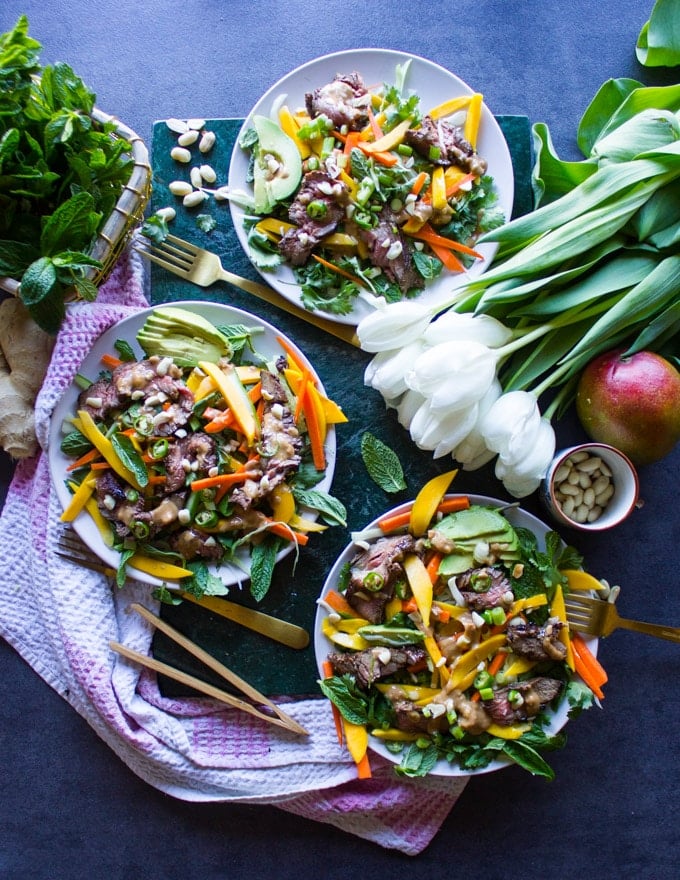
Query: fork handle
{"points": [[671, 633], [341, 331]]}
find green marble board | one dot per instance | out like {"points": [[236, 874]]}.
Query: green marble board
{"points": [[273, 668]]}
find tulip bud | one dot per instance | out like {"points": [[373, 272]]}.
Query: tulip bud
{"points": [[393, 326]]}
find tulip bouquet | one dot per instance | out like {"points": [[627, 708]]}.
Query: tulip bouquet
{"points": [[595, 266]]}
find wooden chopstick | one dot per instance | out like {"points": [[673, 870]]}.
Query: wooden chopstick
{"points": [[281, 719]]}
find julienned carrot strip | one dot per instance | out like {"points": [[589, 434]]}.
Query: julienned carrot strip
{"points": [[364, 768], [219, 480], [302, 390], [327, 668], [334, 268], [399, 520], [226, 419], [427, 233], [87, 458], [255, 393], [157, 479], [588, 666], [314, 428], [111, 361], [419, 183], [284, 531], [497, 662], [375, 128], [383, 158], [432, 566], [292, 354], [338, 603], [100, 465], [453, 264], [409, 606]]}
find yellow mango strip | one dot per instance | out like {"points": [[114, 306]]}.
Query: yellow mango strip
{"points": [[437, 659], [350, 183], [283, 503], [447, 108], [558, 610], [420, 584], [388, 141], [165, 571], [104, 445], [413, 224], [519, 666], [81, 496], [581, 580], [301, 524], [333, 414], [289, 125], [438, 189], [455, 611], [509, 731], [427, 501], [274, 229], [345, 640], [392, 608], [249, 374], [356, 740], [235, 396], [103, 525], [379, 120], [412, 692], [350, 624], [467, 663], [527, 603], [193, 380], [393, 734], [472, 120]]}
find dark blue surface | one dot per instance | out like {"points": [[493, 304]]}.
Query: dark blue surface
{"points": [[69, 809]]}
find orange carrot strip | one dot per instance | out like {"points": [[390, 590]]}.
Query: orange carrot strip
{"points": [[100, 465], [255, 393], [219, 480], [302, 390], [383, 158], [364, 768], [293, 356], [432, 566], [454, 186], [450, 262], [314, 429], [373, 122], [219, 423], [338, 603], [157, 479], [351, 141], [409, 606], [399, 520], [419, 183], [284, 531], [111, 361], [337, 269], [87, 458], [427, 233], [337, 718], [588, 666], [497, 662]]}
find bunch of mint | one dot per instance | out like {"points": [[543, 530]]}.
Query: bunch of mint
{"points": [[61, 174]]}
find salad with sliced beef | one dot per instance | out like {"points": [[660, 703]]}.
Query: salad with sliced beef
{"points": [[453, 645], [365, 193]]}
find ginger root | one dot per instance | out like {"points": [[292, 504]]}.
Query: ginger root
{"points": [[25, 351]]}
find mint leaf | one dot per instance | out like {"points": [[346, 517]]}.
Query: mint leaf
{"points": [[344, 693], [332, 511], [262, 561], [382, 464]]}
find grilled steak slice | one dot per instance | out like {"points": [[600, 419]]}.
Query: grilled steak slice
{"points": [[373, 664], [193, 544], [197, 451], [114, 504], [316, 211], [374, 573], [537, 642], [343, 101], [536, 694], [391, 251], [483, 588], [444, 144]]}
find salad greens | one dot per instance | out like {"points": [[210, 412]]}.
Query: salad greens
{"points": [[188, 463], [469, 701], [396, 178], [61, 174]]}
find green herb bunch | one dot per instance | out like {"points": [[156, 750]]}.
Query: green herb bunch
{"points": [[61, 174]]}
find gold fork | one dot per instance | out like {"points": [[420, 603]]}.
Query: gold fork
{"points": [[201, 267], [289, 634], [597, 617]]}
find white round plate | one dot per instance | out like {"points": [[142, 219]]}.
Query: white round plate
{"points": [[127, 329], [322, 645], [433, 84]]}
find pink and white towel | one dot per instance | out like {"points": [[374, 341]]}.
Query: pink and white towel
{"points": [[61, 618]]}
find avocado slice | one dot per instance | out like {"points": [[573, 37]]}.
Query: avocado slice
{"points": [[182, 335], [277, 169], [466, 528]]}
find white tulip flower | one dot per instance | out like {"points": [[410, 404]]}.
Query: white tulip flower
{"points": [[453, 375], [407, 407], [472, 452], [510, 425], [393, 325], [466, 326], [386, 372], [431, 431]]}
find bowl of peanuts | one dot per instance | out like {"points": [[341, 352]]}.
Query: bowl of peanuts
{"points": [[590, 487]]}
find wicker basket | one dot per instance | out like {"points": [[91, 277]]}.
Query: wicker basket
{"points": [[126, 215]]}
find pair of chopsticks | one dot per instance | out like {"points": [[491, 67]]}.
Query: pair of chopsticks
{"points": [[279, 718]]}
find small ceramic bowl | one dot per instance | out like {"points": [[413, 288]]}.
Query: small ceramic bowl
{"points": [[590, 487]]}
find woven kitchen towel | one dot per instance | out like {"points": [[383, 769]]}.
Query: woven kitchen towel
{"points": [[61, 618]]}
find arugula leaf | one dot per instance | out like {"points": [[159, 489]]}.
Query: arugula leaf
{"points": [[382, 464]]}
